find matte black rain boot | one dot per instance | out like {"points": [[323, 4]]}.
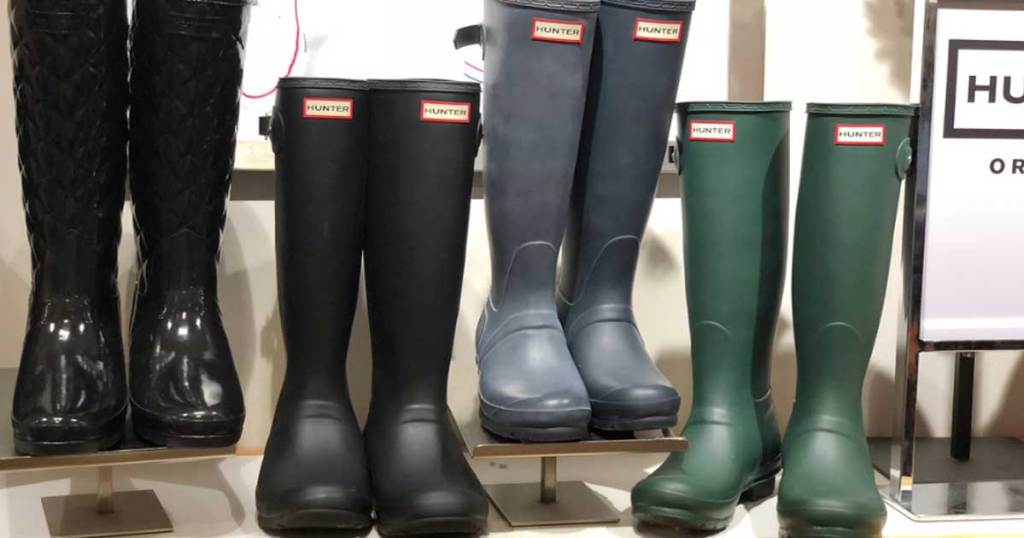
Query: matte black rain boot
{"points": [[416, 223], [735, 165], [186, 71], [538, 60], [638, 58], [314, 472], [855, 157], [70, 88]]}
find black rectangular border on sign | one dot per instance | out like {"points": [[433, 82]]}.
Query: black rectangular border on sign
{"points": [[955, 46]]}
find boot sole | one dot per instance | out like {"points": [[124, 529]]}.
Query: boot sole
{"points": [[796, 530], [678, 518], [434, 525], [154, 432], [315, 519], [541, 435], [633, 424], [63, 448]]}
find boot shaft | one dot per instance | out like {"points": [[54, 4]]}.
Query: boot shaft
{"points": [[854, 159], [538, 57], [70, 79], [416, 226], [186, 59], [320, 134], [634, 78], [734, 159]]}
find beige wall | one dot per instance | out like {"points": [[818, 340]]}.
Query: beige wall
{"points": [[836, 50]]}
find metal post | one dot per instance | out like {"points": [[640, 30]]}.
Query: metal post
{"points": [[963, 407], [548, 480], [105, 490]]}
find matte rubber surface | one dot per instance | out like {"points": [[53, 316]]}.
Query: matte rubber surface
{"points": [[70, 71], [844, 231], [632, 88], [528, 381], [314, 471], [417, 217], [735, 208]]}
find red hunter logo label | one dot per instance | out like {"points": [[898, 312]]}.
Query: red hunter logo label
{"points": [[558, 31], [860, 135], [445, 111], [658, 31], [327, 109], [712, 131]]}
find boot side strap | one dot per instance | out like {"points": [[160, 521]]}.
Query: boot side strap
{"points": [[469, 35]]}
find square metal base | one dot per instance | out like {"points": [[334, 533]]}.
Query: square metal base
{"points": [[135, 512], [577, 504], [963, 501]]}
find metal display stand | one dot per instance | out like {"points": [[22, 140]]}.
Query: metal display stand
{"points": [[551, 502], [547, 501], [940, 500], [107, 512]]}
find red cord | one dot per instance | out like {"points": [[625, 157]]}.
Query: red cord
{"points": [[291, 65]]}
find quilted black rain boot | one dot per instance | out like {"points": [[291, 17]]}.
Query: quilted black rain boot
{"points": [[70, 88], [186, 70]]}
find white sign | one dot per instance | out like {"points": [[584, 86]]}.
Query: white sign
{"points": [[973, 287]]}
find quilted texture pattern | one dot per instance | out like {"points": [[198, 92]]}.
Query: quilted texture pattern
{"points": [[70, 87], [186, 59]]}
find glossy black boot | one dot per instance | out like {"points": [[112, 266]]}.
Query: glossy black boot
{"points": [[186, 71], [416, 223], [634, 75], [70, 87], [314, 472]]}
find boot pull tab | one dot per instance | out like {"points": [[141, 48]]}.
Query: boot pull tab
{"points": [[675, 154], [904, 158], [469, 35], [272, 127], [479, 137]]}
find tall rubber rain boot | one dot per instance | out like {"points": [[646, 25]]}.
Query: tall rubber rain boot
{"points": [[314, 472], [416, 225], [538, 59], [186, 71], [854, 159], [735, 167], [634, 76], [70, 89]]}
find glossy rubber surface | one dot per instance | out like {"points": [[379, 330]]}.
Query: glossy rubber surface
{"points": [[314, 472], [186, 70], [843, 244], [530, 388], [632, 89], [70, 70], [417, 217], [735, 208]]}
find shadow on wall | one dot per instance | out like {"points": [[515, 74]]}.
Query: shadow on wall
{"points": [[891, 24]]}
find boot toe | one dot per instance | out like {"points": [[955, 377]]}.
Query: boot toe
{"points": [[450, 510], [324, 506], [672, 501], [807, 517], [553, 417], [636, 407]]}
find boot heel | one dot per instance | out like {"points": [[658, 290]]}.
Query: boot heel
{"points": [[759, 490]]}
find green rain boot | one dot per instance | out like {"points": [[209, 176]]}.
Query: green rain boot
{"points": [[735, 165], [854, 159]]}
